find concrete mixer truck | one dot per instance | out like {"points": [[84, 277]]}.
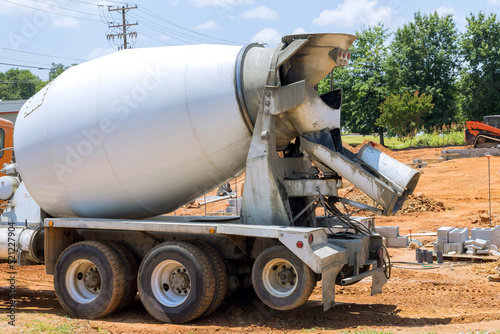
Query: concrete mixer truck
{"points": [[103, 152]]}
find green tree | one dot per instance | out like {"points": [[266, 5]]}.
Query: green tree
{"points": [[56, 70], [18, 84], [363, 81], [480, 75], [424, 57], [401, 114]]}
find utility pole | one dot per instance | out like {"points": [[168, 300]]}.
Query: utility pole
{"points": [[123, 26]]}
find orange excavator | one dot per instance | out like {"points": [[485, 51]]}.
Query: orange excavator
{"points": [[483, 134]]}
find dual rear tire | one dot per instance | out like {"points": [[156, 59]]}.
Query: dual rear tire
{"points": [[181, 281], [177, 281], [90, 280]]}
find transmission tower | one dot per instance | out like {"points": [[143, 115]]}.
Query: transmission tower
{"points": [[124, 34]]}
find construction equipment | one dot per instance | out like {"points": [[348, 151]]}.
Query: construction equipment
{"points": [[483, 134], [112, 144]]}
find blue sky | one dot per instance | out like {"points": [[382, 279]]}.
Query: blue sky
{"points": [[35, 32]]}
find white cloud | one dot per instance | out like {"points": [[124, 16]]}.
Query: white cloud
{"points": [[299, 30], [352, 13], [443, 10], [261, 12], [99, 52], [219, 3], [209, 25], [268, 36], [494, 2]]}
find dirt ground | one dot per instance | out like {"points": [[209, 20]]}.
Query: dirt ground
{"points": [[452, 298]]}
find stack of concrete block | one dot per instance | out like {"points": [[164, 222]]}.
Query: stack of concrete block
{"points": [[485, 233], [391, 234], [234, 205], [478, 247], [451, 240], [474, 153]]}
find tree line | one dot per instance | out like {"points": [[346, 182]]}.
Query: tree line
{"points": [[428, 75], [17, 84]]}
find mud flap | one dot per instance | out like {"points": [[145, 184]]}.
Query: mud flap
{"points": [[328, 276], [378, 281]]}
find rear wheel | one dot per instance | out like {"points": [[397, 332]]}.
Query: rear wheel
{"points": [[176, 282], [131, 268], [89, 280], [220, 275], [281, 280]]}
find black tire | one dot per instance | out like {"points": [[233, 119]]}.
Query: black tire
{"points": [[281, 280], [220, 275], [131, 269], [176, 282], [89, 280]]}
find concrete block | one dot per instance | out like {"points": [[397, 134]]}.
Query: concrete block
{"points": [[230, 209], [439, 246], [459, 235], [480, 243], [397, 241], [388, 231], [471, 251], [483, 252], [458, 248], [234, 201], [484, 233], [443, 233]]}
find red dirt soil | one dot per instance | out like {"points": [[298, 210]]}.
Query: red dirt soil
{"points": [[451, 299]]}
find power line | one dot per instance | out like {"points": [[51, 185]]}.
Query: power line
{"points": [[151, 26], [64, 8], [31, 62], [41, 54], [172, 33], [51, 12], [93, 4], [40, 68], [181, 36], [155, 39], [181, 27]]}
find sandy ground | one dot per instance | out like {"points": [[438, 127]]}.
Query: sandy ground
{"points": [[453, 298]]}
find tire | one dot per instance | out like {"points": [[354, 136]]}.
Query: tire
{"points": [[131, 268], [281, 280], [176, 282], [89, 280], [220, 275]]}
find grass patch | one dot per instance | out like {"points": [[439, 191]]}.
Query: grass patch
{"points": [[422, 140], [365, 331], [39, 326], [314, 329], [355, 140]]}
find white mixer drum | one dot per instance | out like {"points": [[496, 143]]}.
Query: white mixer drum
{"points": [[134, 134]]}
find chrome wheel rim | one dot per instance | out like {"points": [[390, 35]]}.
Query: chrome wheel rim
{"points": [[83, 281], [171, 283]]}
